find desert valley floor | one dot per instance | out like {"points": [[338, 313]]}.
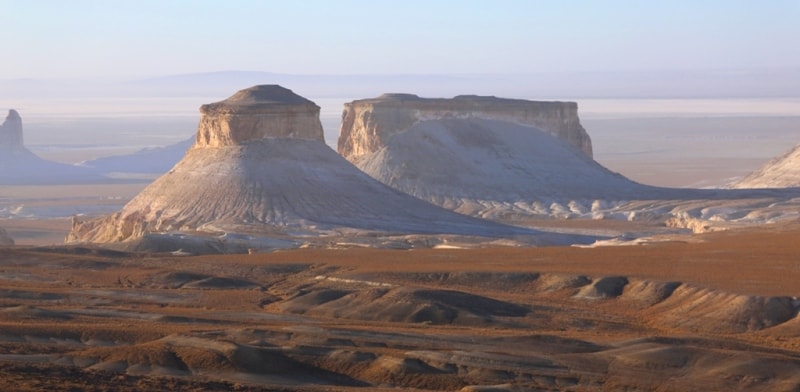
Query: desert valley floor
{"points": [[698, 312]]}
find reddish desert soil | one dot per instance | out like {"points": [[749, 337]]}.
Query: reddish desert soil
{"points": [[715, 312]]}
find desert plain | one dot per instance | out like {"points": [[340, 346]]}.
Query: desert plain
{"points": [[701, 312]]}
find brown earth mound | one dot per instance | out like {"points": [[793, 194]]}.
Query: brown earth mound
{"points": [[703, 309], [403, 305], [713, 315]]}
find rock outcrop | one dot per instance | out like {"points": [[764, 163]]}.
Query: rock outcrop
{"points": [[20, 166], [260, 167], [781, 172], [256, 113], [5, 239], [11, 132], [368, 124]]}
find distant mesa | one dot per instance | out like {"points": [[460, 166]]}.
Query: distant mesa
{"points": [[780, 172], [147, 162], [369, 124], [19, 166], [260, 167]]}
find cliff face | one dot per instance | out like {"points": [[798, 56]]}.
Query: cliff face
{"points": [[260, 165], [11, 131], [368, 124], [256, 113]]}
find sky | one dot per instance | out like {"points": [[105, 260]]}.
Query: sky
{"points": [[57, 39]]}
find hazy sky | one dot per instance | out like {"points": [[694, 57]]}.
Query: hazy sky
{"points": [[118, 38]]}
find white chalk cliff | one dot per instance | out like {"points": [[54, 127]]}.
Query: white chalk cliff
{"points": [[510, 170], [368, 124], [781, 172], [463, 152], [260, 166], [20, 166], [449, 159]]}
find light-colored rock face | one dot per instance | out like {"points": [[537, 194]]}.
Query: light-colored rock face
{"points": [[256, 113], [446, 160], [513, 173], [368, 124], [11, 131], [277, 184], [781, 172], [273, 186]]}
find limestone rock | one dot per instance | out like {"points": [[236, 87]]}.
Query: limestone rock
{"points": [[470, 164], [274, 178], [258, 112], [519, 174], [368, 124], [11, 132], [781, 172]]}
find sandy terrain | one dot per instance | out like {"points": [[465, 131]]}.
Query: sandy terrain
{"points": [[709, 312]]}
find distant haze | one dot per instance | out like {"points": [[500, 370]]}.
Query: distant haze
{"points": [[772, 83], [54, 39], [627, 115]]}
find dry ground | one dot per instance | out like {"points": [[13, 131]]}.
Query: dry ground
{"points": [[715, 312]]}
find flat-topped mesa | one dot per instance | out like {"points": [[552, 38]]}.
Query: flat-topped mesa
{"points": [[11, 131], [367, 124], [266, 183], [256, 113]]}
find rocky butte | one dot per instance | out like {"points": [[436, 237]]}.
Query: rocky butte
{"points": [[368, 124], [260, 168], [11, 132], [20, 166]]}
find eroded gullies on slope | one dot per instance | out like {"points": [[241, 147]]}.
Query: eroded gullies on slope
{"points": [[324, 324], [780, 172], [521, 161], [260, 168], [675, 304]]}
